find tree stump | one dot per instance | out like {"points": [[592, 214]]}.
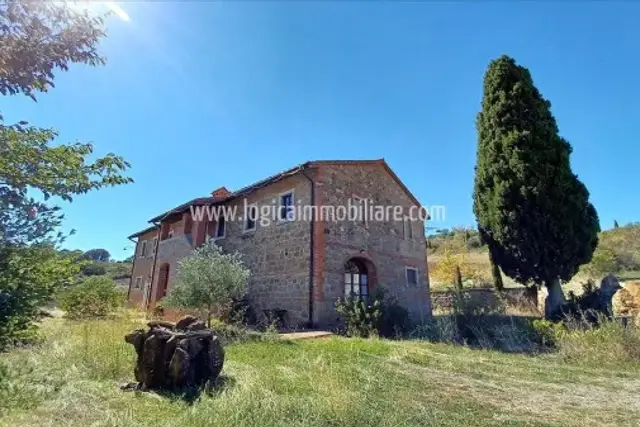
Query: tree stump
{"points": [[174, 357]]}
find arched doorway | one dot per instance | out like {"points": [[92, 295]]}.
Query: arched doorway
{"points": [[356, 279], [163, 279]]}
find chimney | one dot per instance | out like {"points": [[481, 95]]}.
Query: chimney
{"points": [[220, 193]]}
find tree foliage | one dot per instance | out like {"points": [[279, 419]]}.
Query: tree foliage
{"points": [[532, 211], [29, 277], [101, 255], [36, 39], [208, 280]]}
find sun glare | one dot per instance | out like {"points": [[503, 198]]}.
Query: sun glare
{"points": [[117, 10], [99, 6]]}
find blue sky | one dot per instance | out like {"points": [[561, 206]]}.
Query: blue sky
{"points": [[197, 95]]}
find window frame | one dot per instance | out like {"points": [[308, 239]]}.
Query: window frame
{"points": [[154, 247], [137, 283], [143, 249], [280, 205], [247, 218], [406, 275], [360, 285]]}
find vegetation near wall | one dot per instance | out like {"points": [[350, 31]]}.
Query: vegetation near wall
{"points": [[92, 297]]}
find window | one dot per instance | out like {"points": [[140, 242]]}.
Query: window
{"points": [[356, 282], [250, 220], [170, 234], [412, 276], [155, 245], [220, 230], [360, 210], [407, 229], [138, 283], [143, 248], [286, 211]]}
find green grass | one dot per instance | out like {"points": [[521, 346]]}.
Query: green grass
{"points": [[72, 380]]}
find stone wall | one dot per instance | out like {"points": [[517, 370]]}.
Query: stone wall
{"points": [[279, 252], [383, 244], [516, 299], [276, 252]]}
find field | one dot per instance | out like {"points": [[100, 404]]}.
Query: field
{"points": [[72, 380], [618, 252]]}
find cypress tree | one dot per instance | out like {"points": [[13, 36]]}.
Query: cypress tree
{"points": [[532, 211]]}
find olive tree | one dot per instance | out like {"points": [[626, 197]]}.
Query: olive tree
{"points": [[207, 280]]}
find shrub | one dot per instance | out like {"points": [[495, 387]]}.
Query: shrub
{"points": [[381, 316], [608, 343], [29, 277], [395, 320], [239, 311], [546, 332], [93, 269], [474, 242], [93, 297], [362, 319]]}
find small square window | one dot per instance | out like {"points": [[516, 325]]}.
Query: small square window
{"points": [[138, 283], [286, 208], [251, 218], [411, 276]]}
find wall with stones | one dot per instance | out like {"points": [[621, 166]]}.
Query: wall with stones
{"points": [[382, 243], [276, 252], [517, 299]]}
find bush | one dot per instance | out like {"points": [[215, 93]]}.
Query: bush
{"points": [[239, 311], [395, 320], [29, 277], [546, 332], [93, 269], [608, 343], [362, 319], [381, 316], [93, 297]]}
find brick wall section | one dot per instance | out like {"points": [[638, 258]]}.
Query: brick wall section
{"points": [[382, 244]]}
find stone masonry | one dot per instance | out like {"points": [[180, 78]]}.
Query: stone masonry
{"points": [[279, 253]]}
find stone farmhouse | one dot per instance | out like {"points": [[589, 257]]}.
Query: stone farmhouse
{"points": [[303, 260]]}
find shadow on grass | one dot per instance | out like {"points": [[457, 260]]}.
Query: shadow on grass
{"points": [[189, 395]]}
